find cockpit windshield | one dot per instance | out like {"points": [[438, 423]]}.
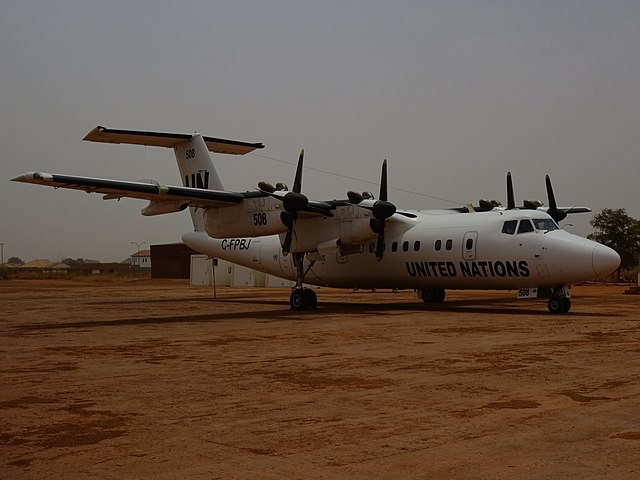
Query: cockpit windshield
{"points": [[510, 227], [545, 224]]}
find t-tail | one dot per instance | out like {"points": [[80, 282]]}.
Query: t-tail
{"points": [[196, 166]]}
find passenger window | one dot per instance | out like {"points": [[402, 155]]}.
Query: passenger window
{"points": [[509, 227], [394, 247], [416, 246], [469, 244], [525, 226], [405, 247], [449, 244], [438, 244]]}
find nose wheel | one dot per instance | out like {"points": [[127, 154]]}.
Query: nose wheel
{"points": [[559, 302]]}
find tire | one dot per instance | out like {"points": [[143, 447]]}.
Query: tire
{"points": [[312, 299], [433, 296], [298, 300], [557, 305]]}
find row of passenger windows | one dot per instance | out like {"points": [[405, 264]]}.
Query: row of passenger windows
{"points": [[448, 245], [405, 246]]}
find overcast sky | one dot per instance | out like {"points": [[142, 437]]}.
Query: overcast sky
{"points": [[452, 93]]}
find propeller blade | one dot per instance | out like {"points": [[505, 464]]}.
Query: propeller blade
{"points": [[289, 220], [380, 245], [383, 182], [297, 182], [553, 211], [286, 245], [511, 201], [377, 226], [550, 196]]}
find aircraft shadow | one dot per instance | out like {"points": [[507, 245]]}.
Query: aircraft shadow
{"points": [[494, 307], [480, 306]]}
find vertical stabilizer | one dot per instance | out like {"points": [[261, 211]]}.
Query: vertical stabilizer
{"points": [[197, 171]]}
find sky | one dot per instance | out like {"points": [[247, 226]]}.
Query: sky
{"points": [[454, 93]]}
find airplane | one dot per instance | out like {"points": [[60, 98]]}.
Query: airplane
{"points": [[359, 242]]}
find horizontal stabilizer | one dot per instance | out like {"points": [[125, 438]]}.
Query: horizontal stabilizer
{"points": [[168, 140]]}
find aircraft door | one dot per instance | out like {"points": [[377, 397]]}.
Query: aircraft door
{"points": [[469, 245]]}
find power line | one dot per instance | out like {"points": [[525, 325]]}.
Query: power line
{"points": [[327, 172]]}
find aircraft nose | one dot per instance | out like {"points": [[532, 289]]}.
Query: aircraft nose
{"points": [[605, 260]]}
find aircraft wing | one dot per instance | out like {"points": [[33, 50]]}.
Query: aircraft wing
{"points": [[152, 191], [155, 192]]}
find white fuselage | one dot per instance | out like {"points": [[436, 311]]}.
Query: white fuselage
{"points": [[437, 249]]}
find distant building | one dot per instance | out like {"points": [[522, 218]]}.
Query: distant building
{"points": [[141, 259], [171, 260]]}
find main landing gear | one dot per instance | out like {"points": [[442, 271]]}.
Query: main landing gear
{"points": [[434, 295], [559, 301], [302, 298]]}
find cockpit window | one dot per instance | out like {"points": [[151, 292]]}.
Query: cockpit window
{"points": [[509, 227], [545, 224], [525, 226]]}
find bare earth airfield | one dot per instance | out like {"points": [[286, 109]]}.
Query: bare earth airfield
{"points": [[156, 379]]}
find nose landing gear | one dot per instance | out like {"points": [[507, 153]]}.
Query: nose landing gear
{"points": [[559, 301]]}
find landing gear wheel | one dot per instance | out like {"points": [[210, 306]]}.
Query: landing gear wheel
{"points": [[312, 299], [298, 299], [303, 299], [559, 304], [433, 296]]}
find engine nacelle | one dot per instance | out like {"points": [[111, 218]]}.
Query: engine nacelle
{"points": [[349, 226], [252, 218], [161, 207]]}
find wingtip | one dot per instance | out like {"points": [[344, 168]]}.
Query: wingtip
{"points": [[32, 177]]}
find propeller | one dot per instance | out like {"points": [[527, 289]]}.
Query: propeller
{"points": [[553, 210], [293, 201], [381, 209]]}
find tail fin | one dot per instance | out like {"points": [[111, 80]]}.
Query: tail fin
{"points": [[197, 169]]}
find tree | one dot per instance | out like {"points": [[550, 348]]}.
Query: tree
{"points": [[15, 261], [617, 230]]}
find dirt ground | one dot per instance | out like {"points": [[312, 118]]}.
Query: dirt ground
{"points": [[156, 379]]}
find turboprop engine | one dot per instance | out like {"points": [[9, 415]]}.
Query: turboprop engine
{"points": [[252, 218]]}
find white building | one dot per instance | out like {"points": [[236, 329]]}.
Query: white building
{"points": [[141, 259]]}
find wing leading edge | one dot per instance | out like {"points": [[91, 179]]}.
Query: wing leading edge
{"points": [[152, 191]]}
